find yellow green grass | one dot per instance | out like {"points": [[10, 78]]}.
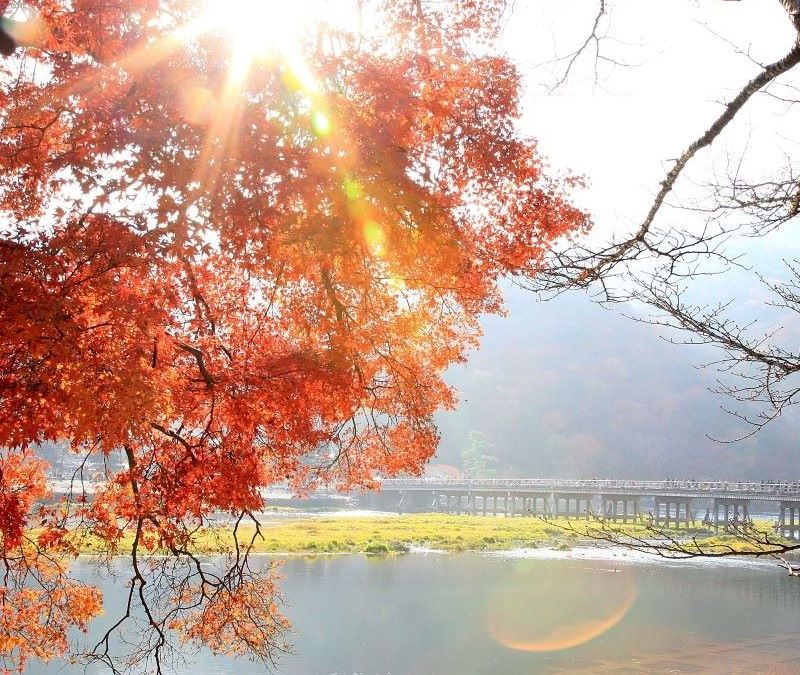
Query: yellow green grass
{"points": [[380, 535]]}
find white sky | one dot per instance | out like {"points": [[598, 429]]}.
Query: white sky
{"points": [[621, 131]]}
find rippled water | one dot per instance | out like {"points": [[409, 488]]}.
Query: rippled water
{"points": [[524, 612]]}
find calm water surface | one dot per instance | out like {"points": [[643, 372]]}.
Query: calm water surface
{"points": [[521, 612]]}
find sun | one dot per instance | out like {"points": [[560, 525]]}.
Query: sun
{"points": [[268, 30], [259, 28]]}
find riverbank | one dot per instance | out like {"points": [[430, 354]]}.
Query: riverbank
{"points": [[379, 535]]}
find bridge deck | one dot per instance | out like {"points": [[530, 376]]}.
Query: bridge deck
{"points": [[788, 491]]}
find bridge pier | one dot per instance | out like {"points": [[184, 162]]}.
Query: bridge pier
{"points": [[449, 502], [620, 507], [727, 509], [789, 519], [535, 509], [672, 511], [409, 501], [575, 505]]}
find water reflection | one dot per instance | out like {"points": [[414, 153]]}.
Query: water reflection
{"points": [[462, 613]]}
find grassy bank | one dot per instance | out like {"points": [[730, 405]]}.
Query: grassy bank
{"points": [[378, 535], [369, 534]]}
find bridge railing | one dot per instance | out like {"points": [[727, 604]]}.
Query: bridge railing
{"points": [[597, 486], [602, 485]]}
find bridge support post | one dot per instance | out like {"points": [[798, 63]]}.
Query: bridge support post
{"points": [[729, 510], [618, 507], [557, 506], [572, 504], [792, 528], [628, 510], [666, 520], [687, 509]]}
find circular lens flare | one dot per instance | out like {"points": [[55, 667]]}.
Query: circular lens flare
{"points": [[537, 614]]}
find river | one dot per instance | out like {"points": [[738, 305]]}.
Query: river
{"points": [[521, 612]]}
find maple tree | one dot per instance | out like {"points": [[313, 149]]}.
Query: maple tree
{"points": [[239, 254]]}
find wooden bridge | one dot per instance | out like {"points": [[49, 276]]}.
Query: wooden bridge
{"points": [[616, 500]]}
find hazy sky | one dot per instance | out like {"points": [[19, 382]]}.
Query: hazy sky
{"points": [[566, 388]]}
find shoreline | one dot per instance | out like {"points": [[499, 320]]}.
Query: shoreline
{"points": [[385, 535], [603, 554]]}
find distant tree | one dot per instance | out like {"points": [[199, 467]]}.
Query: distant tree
{"points": [[477, 461]]}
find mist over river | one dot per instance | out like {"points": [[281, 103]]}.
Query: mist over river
{"points": [[525, 611]]}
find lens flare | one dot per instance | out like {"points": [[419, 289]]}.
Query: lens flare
{"points": [[297, 76], [374, 238], [396, 283], [534, 614], [352, 188], [321, 123], [199, 105], [27, 28]]}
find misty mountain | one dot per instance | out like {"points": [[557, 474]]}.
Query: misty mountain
{"points": [[566, 388]]}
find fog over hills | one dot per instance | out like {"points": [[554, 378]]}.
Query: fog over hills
{"points": [[568, 389]]}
